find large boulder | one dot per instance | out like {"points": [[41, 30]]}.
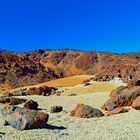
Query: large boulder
{"points": [[116, 111], [56, 109], [126, 96], [136, 103], [11, 100], [30, 104], [21, 118], [85, 111], [123, 96]]}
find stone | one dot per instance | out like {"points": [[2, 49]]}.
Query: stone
{"points": [[136, 103], [109, 105], [116, 111], [85, 111], [11, 100], [30, 104], [126, 96], [43, 90], [56, 109], [135, 82], [24, 119]]}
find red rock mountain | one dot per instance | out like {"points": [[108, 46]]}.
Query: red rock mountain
{"points": [[21, 69]]}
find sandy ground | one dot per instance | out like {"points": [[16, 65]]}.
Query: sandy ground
{"points": [[61, 126]]}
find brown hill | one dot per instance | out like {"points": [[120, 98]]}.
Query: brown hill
{"points": [[21, 69]]}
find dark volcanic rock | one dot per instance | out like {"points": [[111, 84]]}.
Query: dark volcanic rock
{"points": [[30, 104], [56, 109], [85, 111], [12, 100], [21, 118]]}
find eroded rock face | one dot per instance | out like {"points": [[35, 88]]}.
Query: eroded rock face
{"points": [[12, 100], [56, 109], [21, 118], [116, 111], [30, 104], [136, 103], [85, 111]]}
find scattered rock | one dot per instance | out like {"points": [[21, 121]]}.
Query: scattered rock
{"points": [[56, 109], [44, 90], [12, 100], [136, 103], [30, 104], [22, 118], [85, 111], [109, 105], [116, 111]]}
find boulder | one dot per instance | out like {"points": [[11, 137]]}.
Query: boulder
{"points": [[22, 118], [126, 96], [109, 105], [85, 111], [116, 111], [30, 104], [56, 109], [136, 103], [11, 100]]}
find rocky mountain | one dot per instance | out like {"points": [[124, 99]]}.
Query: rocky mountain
{"points": [[21, 69]]}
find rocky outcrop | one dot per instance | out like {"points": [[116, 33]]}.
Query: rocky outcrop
{"points": [[56, 109], [85, 111], [30, 104], [21, 118], [21, 69], [123, 96]]}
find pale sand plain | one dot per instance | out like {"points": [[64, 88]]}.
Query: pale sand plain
{"points": [[61, 126]]}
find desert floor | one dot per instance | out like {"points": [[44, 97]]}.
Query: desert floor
{"points": [[61, 126]]}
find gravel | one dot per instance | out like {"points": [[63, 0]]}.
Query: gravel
{"points": [[61, 126]]}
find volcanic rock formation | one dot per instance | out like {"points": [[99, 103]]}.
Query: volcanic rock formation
{"points": [[21, 69]]}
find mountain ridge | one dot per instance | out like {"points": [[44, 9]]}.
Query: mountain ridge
{"points": [[28, 68]]}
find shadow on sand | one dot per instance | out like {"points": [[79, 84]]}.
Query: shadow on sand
{"points": [[54, 127]]}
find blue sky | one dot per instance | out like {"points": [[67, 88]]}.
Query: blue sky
{"points": [[102, 25]]}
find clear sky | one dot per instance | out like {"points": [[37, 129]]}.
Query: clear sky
{"points": [[102, 25]]}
